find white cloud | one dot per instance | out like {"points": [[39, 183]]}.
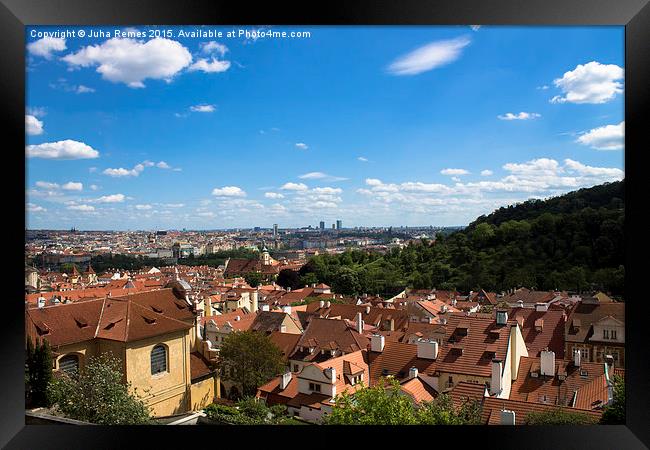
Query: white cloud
{"points": [[46, 46], [121, 172], [302, 146], [212, 66], [228, 191], [66, 149], [274, 195], [486, 173], [590, 83], [174, 205], [327, 190], [205, 214], [94, 187], [213, 47], [202, 108], [46, 185], [454, 172], [362, 159], [73, 186], [521, 116], [84, 208], [137, 169], [36, 111], [609, 137], [33, 126], [294, 186], [610, 174], [430, 56], [132, 61], [475, 27], [320, 176], [543, 87], [143, 207], [31, 207], [113, 198], [81, 89]]}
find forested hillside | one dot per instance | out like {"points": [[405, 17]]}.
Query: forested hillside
{"points": [[572, 242]]}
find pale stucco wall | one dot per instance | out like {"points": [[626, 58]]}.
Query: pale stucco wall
{"points": [[203, 393]]}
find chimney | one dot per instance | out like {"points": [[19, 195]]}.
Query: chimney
{"points": [[368, 309], [255, 296], [265, 307], [427, 349], [321, 303], [576, 358], [286, 378], [41, 302], [495, 383], [413, 373], [502, 317], [507, 417], [359, 323], [377, 343], [327, 304], [286, 309], [547, 363]]}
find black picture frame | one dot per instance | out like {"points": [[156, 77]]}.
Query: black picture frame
{"points": [[633, 14]]}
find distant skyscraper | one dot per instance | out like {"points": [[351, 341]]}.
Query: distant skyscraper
{"points": [[322, 225], [275, 230], [333, 226], [339, 224]]}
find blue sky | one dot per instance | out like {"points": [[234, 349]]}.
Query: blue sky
{"points": [[375, 126]]}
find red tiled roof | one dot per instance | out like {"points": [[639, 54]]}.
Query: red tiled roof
{"points": [[492, 407], [552, 390], [551, 335]]}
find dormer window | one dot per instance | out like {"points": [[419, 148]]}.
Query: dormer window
{"points": [[612, 334], [314, 387]]}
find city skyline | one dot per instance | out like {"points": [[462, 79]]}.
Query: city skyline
{"points": [[436, 125]]}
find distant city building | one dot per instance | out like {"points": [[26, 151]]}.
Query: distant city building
{"points": [[322, 225], [339, 224], [275, 230]]}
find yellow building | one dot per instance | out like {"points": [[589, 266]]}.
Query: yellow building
{"points": [[151, 333]]}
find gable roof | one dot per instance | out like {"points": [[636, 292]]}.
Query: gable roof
{"points": [[327, 334], [587, 315], [552, 389], [551, 335], [469, 354]]}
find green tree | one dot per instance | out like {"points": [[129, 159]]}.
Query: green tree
{"points": [[288, 278], [98, 395], [558, 416], [441, 411], [346, 282], [614, 413], [383, 404], [39, 372], [253, 279], [249, 359]]}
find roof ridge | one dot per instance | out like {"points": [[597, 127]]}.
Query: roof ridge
{"points": [[101, 315]]}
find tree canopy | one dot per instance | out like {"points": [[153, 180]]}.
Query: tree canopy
{"points": [[98, 395], [249, 359], [614, 413], [386, 404], [573, 242]]}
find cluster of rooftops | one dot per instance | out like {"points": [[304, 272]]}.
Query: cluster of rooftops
{"points": [[518, 353]]}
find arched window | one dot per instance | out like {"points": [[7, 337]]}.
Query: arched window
{"points": [[69, 364], [158, 359]]}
